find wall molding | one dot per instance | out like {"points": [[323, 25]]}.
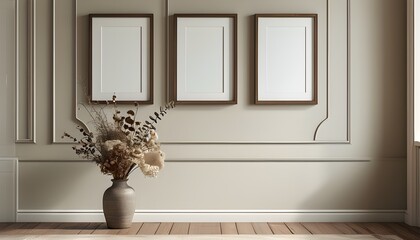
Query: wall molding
{"points": [[250, 160], [348, 138], [53, 71], [328, 73], [254, 142], [167, 11], [218, 216], [54, 139], [314, 141], [31, 72]]}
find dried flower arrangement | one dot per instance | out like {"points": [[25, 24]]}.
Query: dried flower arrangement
{"points": [[124, 144]]}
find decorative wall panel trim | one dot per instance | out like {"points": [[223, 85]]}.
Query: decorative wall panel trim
{"points": [[256, 142], [53, 71], [247, 160], [75, 104], [315, 140], [218, 216], [328, 72], [167, 60], [30, 130], [348, 73]]}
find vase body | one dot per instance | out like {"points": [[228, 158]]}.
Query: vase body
{"points": [[119, 204]]}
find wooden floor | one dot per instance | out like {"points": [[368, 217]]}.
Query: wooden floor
{"points": [[400, 229]]}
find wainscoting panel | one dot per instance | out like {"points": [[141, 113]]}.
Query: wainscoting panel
{"points": [[222, 186], [220, 216]]}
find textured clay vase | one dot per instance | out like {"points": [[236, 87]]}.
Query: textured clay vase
{"points": [[119, 204]]}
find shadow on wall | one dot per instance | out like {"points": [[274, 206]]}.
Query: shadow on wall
{"points": [[370, 185], [379, 121], [61, 185]]}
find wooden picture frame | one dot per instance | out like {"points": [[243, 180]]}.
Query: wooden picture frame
{"points": [[205, 59], [121, 57], [286, 59]]}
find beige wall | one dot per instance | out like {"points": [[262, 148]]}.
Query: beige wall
{"points": [[7, 76], [241, 157]]}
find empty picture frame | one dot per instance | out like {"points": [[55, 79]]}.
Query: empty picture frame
{"points": [[121, 57], [205, 70], [286, 58]]}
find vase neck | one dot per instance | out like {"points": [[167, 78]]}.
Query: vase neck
{"points": [[119, 182]]}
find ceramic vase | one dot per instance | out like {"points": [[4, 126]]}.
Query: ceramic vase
{"points": [[119, 204]]}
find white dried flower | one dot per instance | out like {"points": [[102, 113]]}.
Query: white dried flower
{"points": [[153, 135], [137, 156], [152, 163], [109, 145], [149, 171], [156, 158]]}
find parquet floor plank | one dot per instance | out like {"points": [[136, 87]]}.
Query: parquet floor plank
{"points": [[205, 228], [90, 228], [229, 228], [18, 228], [133, 230], [377, 228], [321, 228], [415, 230], [164, 228], [69, 228], [402, 231], [180, 228], [262, 228], [297, 228], [148, 229], [103, 229], [344, 228], [245, 228], [44, 228], [279, 228], [359, 228]]}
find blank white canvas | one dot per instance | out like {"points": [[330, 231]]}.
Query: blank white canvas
{"points": [[122, 62], [205, 59], [285, 59], [120, 53], [207, 68]]}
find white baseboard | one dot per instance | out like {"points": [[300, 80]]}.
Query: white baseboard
{"points": [[219, 216]]}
